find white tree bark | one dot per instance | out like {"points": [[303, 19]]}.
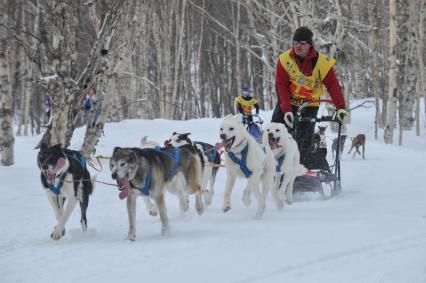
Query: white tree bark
{"points": [[392, 93], [7, 140]]}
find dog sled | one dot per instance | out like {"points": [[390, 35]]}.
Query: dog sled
{"points": [[315, 180]]}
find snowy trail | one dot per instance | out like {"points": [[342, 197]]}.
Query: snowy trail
{"points": [[374, 231]]}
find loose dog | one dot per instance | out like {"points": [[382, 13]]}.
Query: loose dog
{"points": [[64, 176], [357, 142], [341, 146], [247, 159], [211, 158], [151, 172], [287, 156]]}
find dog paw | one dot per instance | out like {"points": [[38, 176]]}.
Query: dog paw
{"points": [[226, 208], [207, 197], [165, 231], [83, 225], [131, 236], [280, 204], [153, 211], [57, 233]]}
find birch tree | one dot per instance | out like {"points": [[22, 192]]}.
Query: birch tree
{"points": [[6, 112], [392, 93]]}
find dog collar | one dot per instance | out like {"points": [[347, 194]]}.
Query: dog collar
{"points": [[241, 162]]}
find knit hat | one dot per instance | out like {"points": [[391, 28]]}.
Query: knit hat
{"points": [[303, 33]]}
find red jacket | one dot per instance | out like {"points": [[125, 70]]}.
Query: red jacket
{"points": [[283, 85]]}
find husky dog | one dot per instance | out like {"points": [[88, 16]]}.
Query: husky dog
{"points": [[174, 189], [287, 156], [151, 172], [64, 176], [247, 159], [211, 158]]}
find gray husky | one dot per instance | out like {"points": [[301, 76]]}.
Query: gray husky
{"points": [[152, 171]]}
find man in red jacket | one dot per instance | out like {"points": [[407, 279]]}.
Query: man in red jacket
{"points": [[301, 75]]}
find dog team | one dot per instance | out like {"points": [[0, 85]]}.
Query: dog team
{"points": [[182, 167]]}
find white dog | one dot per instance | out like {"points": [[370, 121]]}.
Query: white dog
{"points": [[247, 159], [287, 155]]}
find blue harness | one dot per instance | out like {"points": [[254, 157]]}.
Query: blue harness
{"points": [[214, 151], [279, 163], [176, 158], [57, 189], [145, 189], [242, 162]]}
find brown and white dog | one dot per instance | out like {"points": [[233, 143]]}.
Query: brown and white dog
{"points": [[357, 142], [211, 157], [150, 172]]}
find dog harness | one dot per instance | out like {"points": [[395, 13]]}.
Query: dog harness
{"points": [[214, 151], [56, 189], [145, 189], [80, 158], [175, 157], [242, 162], [279, 163]]}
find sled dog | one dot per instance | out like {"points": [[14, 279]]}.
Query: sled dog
{"points": [[66, 180], [287, 158], [150, 172], [245, 158], [145, 143], [357, 142], [341, 146], [150, 206], [211, 158]]}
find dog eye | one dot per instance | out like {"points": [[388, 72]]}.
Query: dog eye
{"points": [[221, 129], [277, 130], [231, 129], [123, 164]]}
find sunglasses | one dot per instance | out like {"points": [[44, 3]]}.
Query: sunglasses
{"points": [[299, 42]]}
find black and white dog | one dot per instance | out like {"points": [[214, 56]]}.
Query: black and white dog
{"points": [[64, 176], [211, 156]]}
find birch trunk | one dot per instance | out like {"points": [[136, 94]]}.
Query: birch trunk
{"points": [[7, 140], [392, 93]]}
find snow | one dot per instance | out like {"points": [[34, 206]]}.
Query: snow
{"points": [[374, 231]]}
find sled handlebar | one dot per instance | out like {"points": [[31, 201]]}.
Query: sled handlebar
{"points": [[321, 119]]}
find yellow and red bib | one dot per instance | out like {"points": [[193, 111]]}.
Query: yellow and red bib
{"points": [[246, 105], [303, 87]]}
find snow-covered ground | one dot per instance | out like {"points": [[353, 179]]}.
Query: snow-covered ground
{"points": [[374, 231]]}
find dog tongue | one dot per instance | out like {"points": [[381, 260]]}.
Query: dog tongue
{"points": [[124, 185]]}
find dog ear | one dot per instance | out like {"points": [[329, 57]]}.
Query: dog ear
{"points": [[43, 146], [174, 133], [117, 148], [186, 134]]}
